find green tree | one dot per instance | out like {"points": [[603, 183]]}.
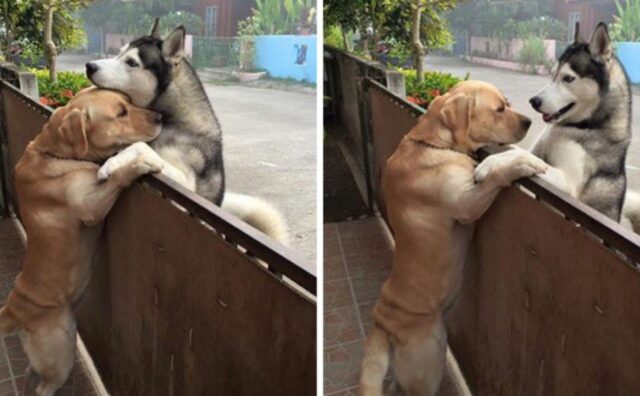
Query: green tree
{"points": [[419, 24], [136, 17], [50, 48], [44, 26], [427, 26]]}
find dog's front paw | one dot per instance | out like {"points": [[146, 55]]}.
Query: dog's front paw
{"points": [[108, 168], [509, 166], [145, 164], [483, 169], [527, 165]]}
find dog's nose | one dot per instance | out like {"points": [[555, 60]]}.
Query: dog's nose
{"points": [[536, 102], [526, 123], [91, 68], [158, 118]]}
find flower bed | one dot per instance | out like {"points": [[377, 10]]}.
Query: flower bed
{"points": [[434, 84], [59, 93]]}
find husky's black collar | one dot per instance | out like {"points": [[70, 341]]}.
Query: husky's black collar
{"points": [[595, 122]]}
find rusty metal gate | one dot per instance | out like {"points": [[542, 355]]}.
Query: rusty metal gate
{"points": [[549, 303], [185, 299]]}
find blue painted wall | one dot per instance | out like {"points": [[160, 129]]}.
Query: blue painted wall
{"points": [[629, 55], [282, 56]]}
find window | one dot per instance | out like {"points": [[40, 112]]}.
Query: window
{"points": [[210, 21], [573, 18]]}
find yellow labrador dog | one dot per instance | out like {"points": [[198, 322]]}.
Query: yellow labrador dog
{"points": [[430, 192], [62, 206]]}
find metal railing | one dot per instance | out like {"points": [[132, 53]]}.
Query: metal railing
{"points": [[215, 52]]}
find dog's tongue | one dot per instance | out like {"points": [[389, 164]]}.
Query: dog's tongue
{"points": [[547, 117]]}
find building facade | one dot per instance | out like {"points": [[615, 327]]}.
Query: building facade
{"points": [[587, 12], [221, 17]]}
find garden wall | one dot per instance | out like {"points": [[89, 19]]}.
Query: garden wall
{"points": [[508, 50], [629, 55], [288, 56]]}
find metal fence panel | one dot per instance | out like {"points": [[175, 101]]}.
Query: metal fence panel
{"points": [[23, 119], [545, 307], [215, 52], [191, 314], [391, 119]]}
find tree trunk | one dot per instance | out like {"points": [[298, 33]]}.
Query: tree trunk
{"points": [[345, 39], [50, 47], [416, 44]]}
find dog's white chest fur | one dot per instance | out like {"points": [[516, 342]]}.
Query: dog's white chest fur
{"points": [[569, 160]]}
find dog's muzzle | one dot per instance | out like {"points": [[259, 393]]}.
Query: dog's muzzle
{"points": [[92, 68]]}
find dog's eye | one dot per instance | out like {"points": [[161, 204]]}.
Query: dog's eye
{"points": [[568, 79], [123, 112], [131, 63], [501, 109]]}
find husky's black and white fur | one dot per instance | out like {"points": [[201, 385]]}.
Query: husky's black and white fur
{"points": [[588, 107], [155, 75]]}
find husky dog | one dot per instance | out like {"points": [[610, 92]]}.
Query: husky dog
{"points": [[588, 107], [156, 75]]}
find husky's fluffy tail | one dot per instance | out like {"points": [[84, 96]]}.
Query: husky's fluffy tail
{"points": [[258, 214], [631, 209]]}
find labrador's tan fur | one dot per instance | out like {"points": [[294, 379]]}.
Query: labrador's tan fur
{"points": [[430, 193], [62, 206]]}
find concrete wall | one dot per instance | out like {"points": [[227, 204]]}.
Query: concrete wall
{"points": [[279, 55], [629, 55], [505, 49]]}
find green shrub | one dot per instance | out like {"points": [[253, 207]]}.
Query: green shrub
{"points": [[333, 37], [533, 54], [399, 51], [626, 25], [59, 93], [434, 84]]}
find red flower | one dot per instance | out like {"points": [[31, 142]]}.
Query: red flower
{"points": [[67, 93], [435, 92]]}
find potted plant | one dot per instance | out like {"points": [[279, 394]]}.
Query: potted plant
{"points": [[626, 32], [247, 52]]}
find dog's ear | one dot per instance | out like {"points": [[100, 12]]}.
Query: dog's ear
{"points": [[600, 44], [73, 130], [455, 114], [154, 28], [577, 38], [173, 46]]}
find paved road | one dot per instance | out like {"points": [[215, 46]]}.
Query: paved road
{"points": [[518, 88], [270, 152], [269, 149]]}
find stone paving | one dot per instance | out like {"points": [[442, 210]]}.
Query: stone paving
{"points": [[357, 260], [13, 361]]}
